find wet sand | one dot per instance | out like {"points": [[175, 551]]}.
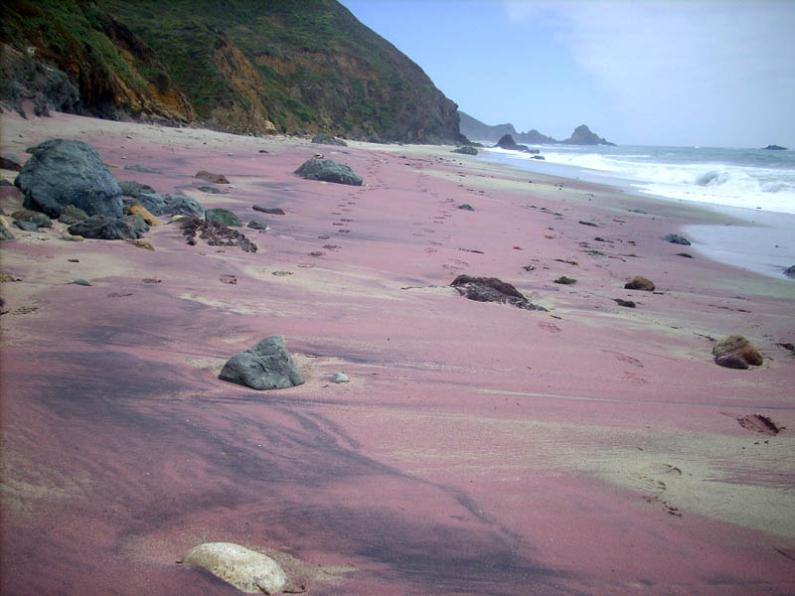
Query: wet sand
{"points": [[478, 448]]}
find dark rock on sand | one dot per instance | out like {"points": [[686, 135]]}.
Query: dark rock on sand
{"points": [[268, 365], [491, 289], [677, 239], [157, 204], [61, 173], [759, 423], [72, 215], [735, 351], [210, 177], [582, 222], [222, 216], [258, 224], [27, 226], [10, 162], [566, 281], [790, 271], [103, 227], [37, 218], [327, 170], [466, 150], [685, 255], [466, 207], [215, 234], [541, 157], [640, 283], [624, 303], [327, 139], [143, 169], [210, 190], [268, 210]]}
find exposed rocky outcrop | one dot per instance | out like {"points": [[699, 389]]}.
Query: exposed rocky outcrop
{"points": [[507, 142], [267, 365], [735, 351], [253, 67], [473, 128], [491, 289], [582, 135], [466, 150], [247, 570], [327, 170], [61, 173]]}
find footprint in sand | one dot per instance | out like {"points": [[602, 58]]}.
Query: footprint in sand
{"points": [[635, 379], [625, 358], [550, 327]]}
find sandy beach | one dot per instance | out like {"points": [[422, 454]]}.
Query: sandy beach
{"points": [[478, 448]]}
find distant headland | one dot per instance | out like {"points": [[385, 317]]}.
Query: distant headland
{"points": [[473, 128]]}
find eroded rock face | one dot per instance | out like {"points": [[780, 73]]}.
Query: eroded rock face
{"points": [[61, 173], [735, 351], [327, 170], [247, 570], [491, 289], [268, 365], [640, 283]]}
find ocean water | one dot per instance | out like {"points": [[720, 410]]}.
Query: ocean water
{"points": [[754, 185]]}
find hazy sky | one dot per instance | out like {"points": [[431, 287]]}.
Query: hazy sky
{"points": [[699, 72]]}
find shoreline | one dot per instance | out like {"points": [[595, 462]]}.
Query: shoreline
{"points": [[734, 239], [589, 448]]}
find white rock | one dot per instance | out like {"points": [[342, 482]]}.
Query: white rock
{"points": [[340, 377], [247, 570]]}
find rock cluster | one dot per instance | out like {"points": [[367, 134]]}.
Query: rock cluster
{"points": [[215, 234]]}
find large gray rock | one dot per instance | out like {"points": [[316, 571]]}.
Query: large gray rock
{"points": [[158, 204], [102, 227], [247, 570], [328, 171], [268, 365], [61, 173]]}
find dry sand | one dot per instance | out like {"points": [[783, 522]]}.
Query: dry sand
{"points": [[478, 448]]}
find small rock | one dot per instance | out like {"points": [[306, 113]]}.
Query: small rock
{"points": [[268, 365], [685, 255], [256, 224], [677, 239], [10, 162], [223, 217], [143, 213], [214, 234], [327, 139], [72, 215], [466, 207], [491, 289], [529, 267], [40, 220], [80, 282], [340, 377], [143, 243], [228, 279], [760, 423], [465, 150], [565, 280], [327, 170], [735, 351], [624, 303], [210, 190], [142, 169], [269, 210], [210, 177], [588, 223], [639, 283], [247, 570]]}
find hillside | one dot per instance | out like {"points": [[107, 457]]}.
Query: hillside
{"points": [[241, 66]]}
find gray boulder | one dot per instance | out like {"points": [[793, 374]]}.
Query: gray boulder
{"points": [[328, 171], [61, 173], [72, 215], [268, 365], [35, 218], [158, 204], [102, 227]]}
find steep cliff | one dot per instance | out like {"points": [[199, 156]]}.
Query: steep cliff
{"points": [[113, 69], [250, 66]]}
